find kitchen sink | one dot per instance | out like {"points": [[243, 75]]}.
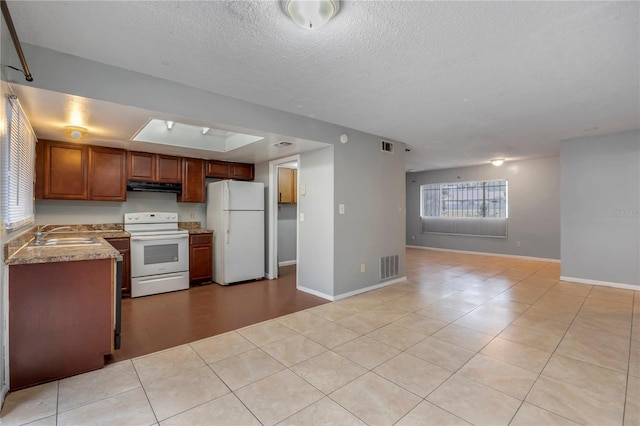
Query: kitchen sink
{"points": [[70, 241]]}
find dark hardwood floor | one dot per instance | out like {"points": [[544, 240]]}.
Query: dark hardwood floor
{"points": [[162, 321]]}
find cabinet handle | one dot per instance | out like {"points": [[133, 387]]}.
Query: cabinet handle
{"points": [[280, 197]]}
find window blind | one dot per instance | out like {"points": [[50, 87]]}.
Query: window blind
{"points": [[18, 157]]}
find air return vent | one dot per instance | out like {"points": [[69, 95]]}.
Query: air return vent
{"points": [[386, 146], [389, 267]]}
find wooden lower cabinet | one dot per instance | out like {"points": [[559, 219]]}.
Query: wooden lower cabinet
{"points": [[122, 244], [61, 318], [200, 257]]}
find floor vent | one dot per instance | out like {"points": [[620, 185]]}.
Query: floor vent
{"points": [[389, 266], [386, 146]]}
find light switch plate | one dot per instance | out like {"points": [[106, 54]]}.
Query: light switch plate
{"points": [[301, 217], [341, 208], [303, 189]]}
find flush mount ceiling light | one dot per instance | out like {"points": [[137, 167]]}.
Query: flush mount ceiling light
{"points": [[311, 14], [497, 161], [74, 132]]}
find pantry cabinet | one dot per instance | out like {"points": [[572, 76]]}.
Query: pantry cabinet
{"points": [[287, 185], [201, 257], [192, 181], [148, 167]]}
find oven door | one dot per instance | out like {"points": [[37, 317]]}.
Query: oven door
{"points": [[159, 254]]}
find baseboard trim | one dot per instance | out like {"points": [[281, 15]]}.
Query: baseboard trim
{"points": [[351, 293], [600, 283], [481, 253], [316, 293], [287, 262], [371, 287]]}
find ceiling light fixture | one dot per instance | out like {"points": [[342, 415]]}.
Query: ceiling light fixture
{"points": [[169, 125], [497, 161], [205, 130], [75, 132], [311, 14]]}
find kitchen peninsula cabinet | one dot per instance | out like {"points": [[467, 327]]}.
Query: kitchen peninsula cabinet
{"points": [[61, 319], [287, 185], [123, 245], [201, 257], [193, 190], [226, 170], [148, 167]]}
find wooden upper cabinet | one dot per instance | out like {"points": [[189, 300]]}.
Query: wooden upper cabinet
{"points": [[217, 169], [193, 171], [141, 166], [148, 167], [241, 171], [107, 174], [168, 169], [65, 171], [226, 170], [287, 185]]}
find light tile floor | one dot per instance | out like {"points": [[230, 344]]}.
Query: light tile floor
{"points": [[467, 339]]}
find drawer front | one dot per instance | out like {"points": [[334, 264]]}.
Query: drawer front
{"points": [[201, 238]]}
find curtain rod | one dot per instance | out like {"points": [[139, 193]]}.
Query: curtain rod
{"points": [[16, 42]]}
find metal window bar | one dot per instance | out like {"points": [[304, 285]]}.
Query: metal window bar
{"points": [[481, 199]]}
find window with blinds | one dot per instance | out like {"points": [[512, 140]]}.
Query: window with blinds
{"points": [[18, 157], [465, 208]]}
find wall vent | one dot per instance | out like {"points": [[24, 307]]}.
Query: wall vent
{"points": [[389, 266], [386, 146]]}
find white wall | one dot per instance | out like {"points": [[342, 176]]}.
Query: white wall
{"points": [[63, 212], [601, 208], [533, 203]]}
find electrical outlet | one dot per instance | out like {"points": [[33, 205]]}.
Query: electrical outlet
{"points": [[362, 267], [517, 243], [340, 208], [413, 237], [193, 215]]}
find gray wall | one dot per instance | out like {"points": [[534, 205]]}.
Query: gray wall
{"points": [[86, 212], [287, 220], [370, 183], [534, 208], [371, 186], [316, 249], [601, 208]]}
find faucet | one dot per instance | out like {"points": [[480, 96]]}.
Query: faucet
{"points": [[40, 235]]}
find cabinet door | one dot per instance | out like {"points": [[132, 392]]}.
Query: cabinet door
{"points": [[168, 169], [287, 185], [241, 171], [107, 174], [65, 171], [123, 246], [201, 257], [192, 181], [217, 169], [141, 166]]}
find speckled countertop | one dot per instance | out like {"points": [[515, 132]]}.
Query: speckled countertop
{"points": [[19, 251]]}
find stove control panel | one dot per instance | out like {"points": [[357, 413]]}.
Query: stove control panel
{"points": [[151, 217]]}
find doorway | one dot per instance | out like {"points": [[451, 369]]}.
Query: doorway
{"points": [[283, 223]]}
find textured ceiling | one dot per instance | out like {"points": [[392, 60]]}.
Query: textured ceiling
{"points": [[459, 82]]}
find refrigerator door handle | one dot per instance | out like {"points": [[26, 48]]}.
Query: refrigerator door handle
{"points": [[227, 196], [226, 232]]}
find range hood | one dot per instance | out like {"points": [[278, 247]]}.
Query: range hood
{"points": [[175, 188]]}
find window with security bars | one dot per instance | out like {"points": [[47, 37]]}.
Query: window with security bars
{"points": [[464, 207], [18, 157]]}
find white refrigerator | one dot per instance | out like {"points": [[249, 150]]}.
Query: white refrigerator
{"points": [[235, 214]]}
